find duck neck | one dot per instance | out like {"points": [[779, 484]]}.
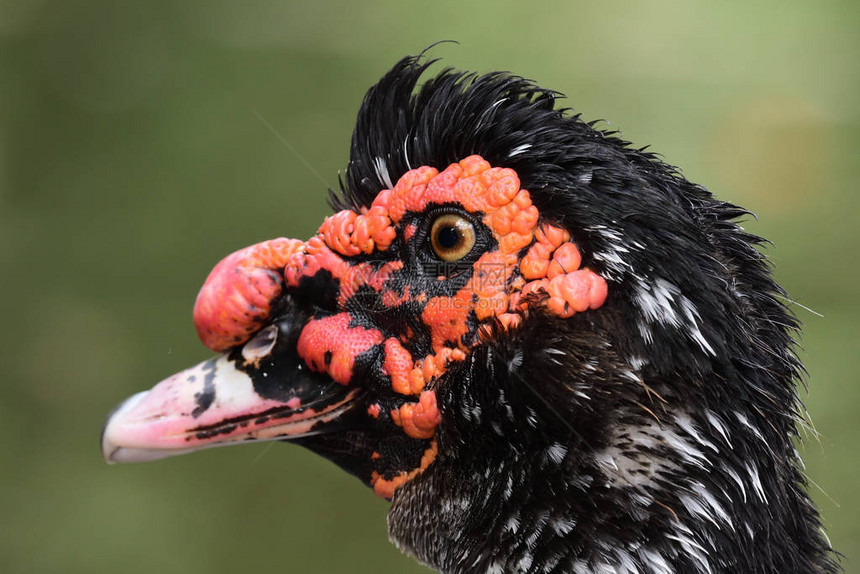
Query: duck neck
{"points": [[686, 493]]}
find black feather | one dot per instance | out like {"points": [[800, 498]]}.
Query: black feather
{"points": [[693, 343]]}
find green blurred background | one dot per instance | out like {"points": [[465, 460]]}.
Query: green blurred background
{"points": [[132, 158]]}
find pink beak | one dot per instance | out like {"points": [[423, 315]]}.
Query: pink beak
{"points": [[212, 404]]}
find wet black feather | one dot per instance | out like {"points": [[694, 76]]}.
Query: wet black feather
{"points": [[494, 498]]}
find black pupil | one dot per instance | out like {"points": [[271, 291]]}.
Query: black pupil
{"points": [[448, 237]]}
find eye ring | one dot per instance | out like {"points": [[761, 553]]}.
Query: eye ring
{"points": [[452, 237]]}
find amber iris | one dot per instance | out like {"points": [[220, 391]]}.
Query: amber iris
{"points": [[452, 236]]}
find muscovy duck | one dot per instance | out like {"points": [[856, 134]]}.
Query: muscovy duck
{"points": [[548, 349]]}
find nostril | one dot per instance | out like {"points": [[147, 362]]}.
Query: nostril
{"points": [[261, 345]]}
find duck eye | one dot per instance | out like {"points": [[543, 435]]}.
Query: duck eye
{"points": [[452, 236]]}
